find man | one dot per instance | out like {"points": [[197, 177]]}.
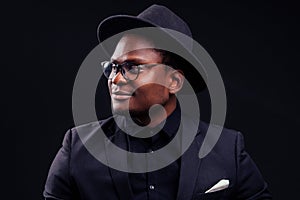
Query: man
{"points": [[143, 81]]}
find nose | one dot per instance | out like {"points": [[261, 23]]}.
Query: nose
{"points": [[118, 79]]}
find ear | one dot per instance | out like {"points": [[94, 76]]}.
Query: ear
{"points": [[176, 81]]}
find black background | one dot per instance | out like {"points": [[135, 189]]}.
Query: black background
{"points": [[255, 44]]}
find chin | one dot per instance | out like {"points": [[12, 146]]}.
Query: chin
{"points": [[133, 111], [119, 111]]}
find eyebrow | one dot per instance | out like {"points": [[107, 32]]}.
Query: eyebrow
{"points": [[134, 60]]}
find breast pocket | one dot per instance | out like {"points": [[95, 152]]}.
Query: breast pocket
{"points": [[218, 195]]}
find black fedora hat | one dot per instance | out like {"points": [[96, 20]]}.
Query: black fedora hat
{"points": [[161, 17]]}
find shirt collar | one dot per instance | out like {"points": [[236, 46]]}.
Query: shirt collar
{"points": [[173, 121], [168, 126]]}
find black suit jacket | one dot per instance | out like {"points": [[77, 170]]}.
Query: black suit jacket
{"points": [[76, 174]]}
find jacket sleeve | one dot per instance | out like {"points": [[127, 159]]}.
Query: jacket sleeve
{"points": [[251, 184], [58, 184]]}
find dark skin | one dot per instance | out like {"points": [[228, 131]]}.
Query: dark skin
{"points": [[155, 85]]}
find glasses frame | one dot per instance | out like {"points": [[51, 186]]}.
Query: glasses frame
{"points": [[119, 67]]}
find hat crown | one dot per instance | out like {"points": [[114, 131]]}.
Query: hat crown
{"points": [[165, 18], [173, 31]]}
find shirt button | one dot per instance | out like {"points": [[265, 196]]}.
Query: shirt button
{"points": [[150, 151], [151, 187]]}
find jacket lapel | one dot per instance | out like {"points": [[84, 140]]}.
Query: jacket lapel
{"points": [[120, 179], [190, 163], [189, 169]]}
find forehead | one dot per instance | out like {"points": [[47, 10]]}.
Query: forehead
{"points": [[132, 45]]}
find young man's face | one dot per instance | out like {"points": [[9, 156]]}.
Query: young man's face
{"points": [[149, 88]]}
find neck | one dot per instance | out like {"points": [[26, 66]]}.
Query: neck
{"points": [[156, 114]]}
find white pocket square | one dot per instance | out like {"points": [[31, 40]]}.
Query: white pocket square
{"points": [[221, 185]]}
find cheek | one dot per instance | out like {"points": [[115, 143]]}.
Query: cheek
{"points": [[153, 81], [158, 78], [152, 94]]}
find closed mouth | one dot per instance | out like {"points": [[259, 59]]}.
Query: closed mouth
{"points": [[121, 95]]}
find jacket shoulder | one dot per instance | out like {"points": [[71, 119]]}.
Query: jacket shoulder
{"points": [[226, 135]]}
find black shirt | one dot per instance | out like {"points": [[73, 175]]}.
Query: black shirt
{"points": [[163, 183]]}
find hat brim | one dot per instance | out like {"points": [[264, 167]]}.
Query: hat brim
{"points": [[120, 23]]}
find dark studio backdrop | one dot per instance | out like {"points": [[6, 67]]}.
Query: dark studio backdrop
{"points": [[255, 44]]}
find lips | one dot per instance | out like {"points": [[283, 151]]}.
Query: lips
{"points": [[121, 95]]}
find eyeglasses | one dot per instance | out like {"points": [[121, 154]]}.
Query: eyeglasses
{"points": [[130, 71]]}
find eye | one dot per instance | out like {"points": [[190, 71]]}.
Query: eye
{"points": [[131, 68], [107, 68]]}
